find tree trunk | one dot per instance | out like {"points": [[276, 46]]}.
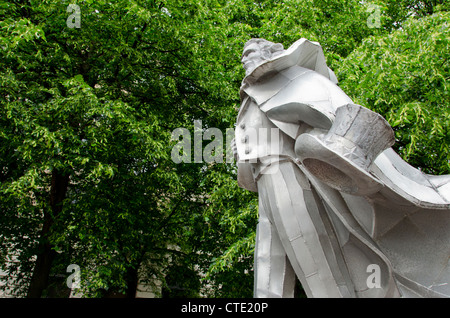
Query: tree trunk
{"points": [[46, 255], [132, 280]]}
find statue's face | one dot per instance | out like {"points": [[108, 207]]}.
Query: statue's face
{"points": [[252, 57]]}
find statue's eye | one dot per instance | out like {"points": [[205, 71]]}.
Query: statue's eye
{"points": [[248, 52]]}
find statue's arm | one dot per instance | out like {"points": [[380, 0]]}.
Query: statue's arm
{"points": [[311, 99]]}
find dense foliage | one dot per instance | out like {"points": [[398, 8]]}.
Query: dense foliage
{"points": [[87, 114], [405, 76]]}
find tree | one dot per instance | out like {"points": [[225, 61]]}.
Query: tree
{"points": [[86, 126], [404, 76], [399, 11]]}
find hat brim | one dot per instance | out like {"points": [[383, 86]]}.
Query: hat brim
{"points": [[333, 169]]}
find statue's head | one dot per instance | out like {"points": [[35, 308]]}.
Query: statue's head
{"points": [[257, 51]]}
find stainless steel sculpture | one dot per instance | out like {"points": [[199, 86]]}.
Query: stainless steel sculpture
{"points": [[338, 208]]}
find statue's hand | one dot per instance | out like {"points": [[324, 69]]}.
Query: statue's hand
{"points": [[342, 158]]}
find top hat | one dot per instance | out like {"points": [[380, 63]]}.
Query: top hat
{"points": [[342, 157]]}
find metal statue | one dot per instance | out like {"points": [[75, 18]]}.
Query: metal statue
{"points": [[338, 208]]}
